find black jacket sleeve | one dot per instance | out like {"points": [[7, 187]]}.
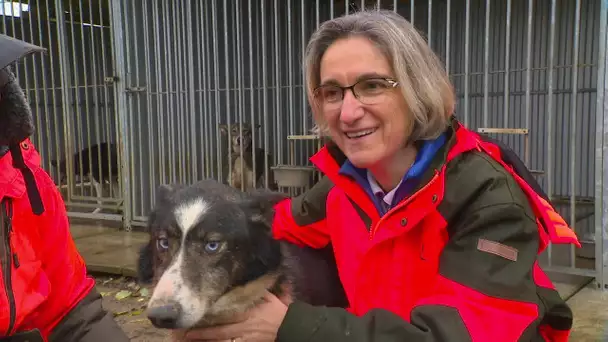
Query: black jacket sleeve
{"points": [[88, 322], [308, 323]]}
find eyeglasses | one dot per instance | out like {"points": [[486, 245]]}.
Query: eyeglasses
{"points": [[369, 91]]}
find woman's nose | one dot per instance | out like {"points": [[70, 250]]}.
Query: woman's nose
{"points": [[351, 110]]}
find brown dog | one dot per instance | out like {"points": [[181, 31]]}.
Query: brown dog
{"points": [[242, 174]]}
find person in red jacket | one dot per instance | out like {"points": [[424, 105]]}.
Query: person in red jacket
{"points": [[436, 230], [45, 292]]}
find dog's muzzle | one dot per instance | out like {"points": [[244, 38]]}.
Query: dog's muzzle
{"points": [[165, 316]]}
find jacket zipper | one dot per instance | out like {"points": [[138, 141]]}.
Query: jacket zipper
{"points": [[7, 260], [374, 229]]}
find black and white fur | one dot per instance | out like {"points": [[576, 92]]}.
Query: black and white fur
{"points": [[241, 172], [98, 173], [211, 256]]}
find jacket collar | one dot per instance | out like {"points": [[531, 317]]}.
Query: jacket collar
{"points": [[427, 150], [3, 151], [330, 159], [12, 183]]}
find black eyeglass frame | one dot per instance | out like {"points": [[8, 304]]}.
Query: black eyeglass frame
{"points": [[392, 83]]}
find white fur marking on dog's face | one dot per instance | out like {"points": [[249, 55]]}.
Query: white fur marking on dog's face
{"points": [[171, 287], [189, 214]]}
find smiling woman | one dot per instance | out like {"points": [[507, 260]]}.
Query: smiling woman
{"points": [[435, 229], [349, 73]]}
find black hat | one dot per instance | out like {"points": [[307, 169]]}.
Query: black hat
{"points": [[16, 122], [12, 49]]}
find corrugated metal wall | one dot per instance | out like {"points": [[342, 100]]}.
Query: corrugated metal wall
{"points": [[539, 118], [256, 77]]}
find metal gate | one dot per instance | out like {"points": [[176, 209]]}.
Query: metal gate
{"points": [[70, 89]]}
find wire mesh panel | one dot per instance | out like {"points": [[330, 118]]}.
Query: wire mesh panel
{"points": [[71, 94]]}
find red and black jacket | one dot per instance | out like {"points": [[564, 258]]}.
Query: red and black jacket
{"points": [[455, 261], [45, 291]]}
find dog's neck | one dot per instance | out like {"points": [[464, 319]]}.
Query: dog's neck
{"points": [[246, 149], [240, 299]]}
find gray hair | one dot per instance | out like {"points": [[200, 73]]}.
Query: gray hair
{"points": [[424, 83]]}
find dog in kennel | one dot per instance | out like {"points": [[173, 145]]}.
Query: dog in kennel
{"points": [[241, 154], [99, 164]]}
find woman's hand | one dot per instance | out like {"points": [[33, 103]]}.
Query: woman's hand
{"points": [[261, 324]]}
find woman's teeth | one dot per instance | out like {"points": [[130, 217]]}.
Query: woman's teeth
{"points": [[359, 134]]}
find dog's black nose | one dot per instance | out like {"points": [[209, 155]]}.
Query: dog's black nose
{"points": [[164, 317]]}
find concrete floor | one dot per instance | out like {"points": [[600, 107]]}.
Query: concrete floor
{"points": [[108, 250]]}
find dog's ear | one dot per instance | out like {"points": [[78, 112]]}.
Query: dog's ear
{"points": [[264, 198], [260, 202], [145, 263], [266, 255], [223, 128], [147, 256], [259, 205]]}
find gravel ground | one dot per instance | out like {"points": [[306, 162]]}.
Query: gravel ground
{"points": [[124, 297]]}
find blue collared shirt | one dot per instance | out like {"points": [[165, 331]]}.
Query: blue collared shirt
{"points": [[384, 202]]}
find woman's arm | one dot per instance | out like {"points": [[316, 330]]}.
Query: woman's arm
{"points": [[478, 296]]}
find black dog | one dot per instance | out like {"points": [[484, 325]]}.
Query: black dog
{"points": [[211, 256], [98, 161], [99, 164]]}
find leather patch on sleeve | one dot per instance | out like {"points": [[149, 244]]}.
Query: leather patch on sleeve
{"points": [[496, 248]]}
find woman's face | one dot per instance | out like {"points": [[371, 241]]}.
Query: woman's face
{"points": [[370, 129]]}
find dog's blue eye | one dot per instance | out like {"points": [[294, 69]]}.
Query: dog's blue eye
{"points": [[162, 244], [212, 247]]}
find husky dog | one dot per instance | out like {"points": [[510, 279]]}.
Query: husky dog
{"points": [[211, 256], [106, 153], [242, 174]]}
